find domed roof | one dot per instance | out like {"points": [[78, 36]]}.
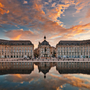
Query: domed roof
{"points": [[44, 42]]}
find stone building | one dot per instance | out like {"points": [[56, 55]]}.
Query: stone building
{"points": [[53, 51], [44, 49], [73, 49], [16, 49], [36, 53]]}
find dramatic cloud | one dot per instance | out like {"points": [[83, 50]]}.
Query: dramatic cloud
{"points": [[19, 34], [56, 12], [25, 2], [42, 18], [75, 30], [53, 81], [2, 10], [88, 13], [80, 4], [75, 81], [56, 32]]}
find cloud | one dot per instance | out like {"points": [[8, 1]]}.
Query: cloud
{"points": [[36, 13], [50, 1], [83, 36], [41, 18], [79, 4], [57, 81], [1, 6], [2, 10], [56, 12], [18, 34], [17, 75], [75, 81], [56, 33], [88, 13], [46, 3], [74, 30], [53, 5], [25, 2]]}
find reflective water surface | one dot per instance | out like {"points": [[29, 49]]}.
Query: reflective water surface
{"points": [[44, 76]]}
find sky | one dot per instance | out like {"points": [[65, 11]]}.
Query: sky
{"points": [[55, 19]]}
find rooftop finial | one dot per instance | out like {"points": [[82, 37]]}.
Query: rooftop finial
{"points": [[44, 37]]}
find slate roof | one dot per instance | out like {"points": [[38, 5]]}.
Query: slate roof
{"points": [[83, 42], [15, 42], [44, 43]]}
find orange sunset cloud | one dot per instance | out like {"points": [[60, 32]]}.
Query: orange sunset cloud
{"points": [[16, 38], [58, 20]]}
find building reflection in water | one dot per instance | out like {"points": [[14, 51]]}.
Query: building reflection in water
{"points": [[44, 67], [73, 67], [16, 67]]}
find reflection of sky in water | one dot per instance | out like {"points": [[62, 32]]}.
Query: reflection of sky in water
{"points": [[53, 81]]}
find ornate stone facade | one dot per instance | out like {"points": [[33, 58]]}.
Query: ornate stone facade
{"points": [[44, 49], [16, 49], [73, 49], [64, 49]]}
